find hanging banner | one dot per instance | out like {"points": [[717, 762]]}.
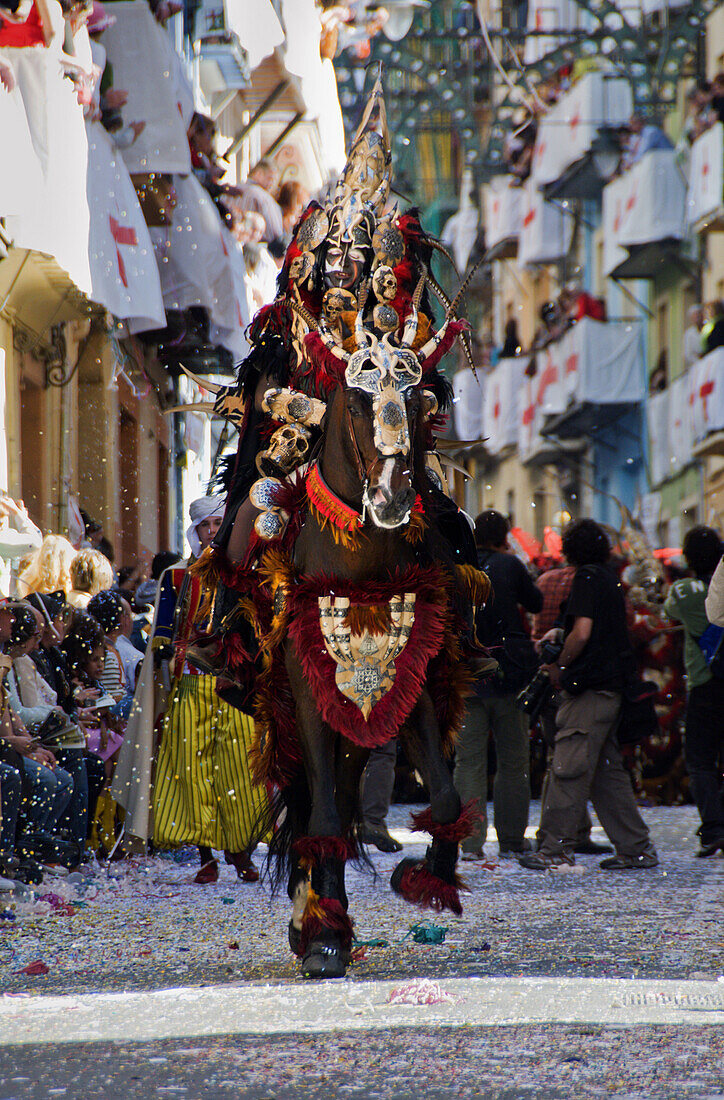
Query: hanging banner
{"points": [[546, 229], [501, 404], [468, 404], [124, 275], [706, 175], [646, 204], [146, 66], [503, 211], [21, 177], [706, 395]]}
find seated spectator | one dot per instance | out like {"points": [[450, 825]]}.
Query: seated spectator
{"points": [[130, 576], [511, 345], [107, 610], [49, 567], [713, 331], [90, 573], [293, 200], [692, 336], [256, 195], [85, 652], [642, 138]]}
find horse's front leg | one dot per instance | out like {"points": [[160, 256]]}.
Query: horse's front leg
{"points": [[325, 937], [433, 882]]}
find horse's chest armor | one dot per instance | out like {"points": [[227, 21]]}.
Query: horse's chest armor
{"points": [[364, 640]]}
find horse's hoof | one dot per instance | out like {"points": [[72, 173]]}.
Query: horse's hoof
{"points": [[325, 960], [399, 871], [295, 938]]}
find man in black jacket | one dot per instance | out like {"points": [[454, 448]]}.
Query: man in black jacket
{"points": [[493, 709], [591, 673]]}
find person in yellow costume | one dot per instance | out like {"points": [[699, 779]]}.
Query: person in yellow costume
{"points": [[203, 792]]}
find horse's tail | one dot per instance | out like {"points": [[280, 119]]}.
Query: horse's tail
{"points": [[284, 820]]}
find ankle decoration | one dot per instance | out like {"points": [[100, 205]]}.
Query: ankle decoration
{"points": [[324, 915], [314, 849], [454, 831], [418, 884]]}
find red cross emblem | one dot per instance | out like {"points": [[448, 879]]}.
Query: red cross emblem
{"points": [[529, 218], [705, 393], [617, 217], [548, 378], [496, 406], [631, 201], [528, 415], [705, 168], [572, 363], [122, 234], [575, 120]]}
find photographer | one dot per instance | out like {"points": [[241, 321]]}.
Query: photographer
{"points": [[493, 710], [587, 761]]}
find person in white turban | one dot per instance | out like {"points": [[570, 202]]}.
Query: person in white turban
{"points": [[206, 515]]}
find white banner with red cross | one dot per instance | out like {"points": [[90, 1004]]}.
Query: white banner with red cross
{"points": [[501, 404], [706, 394], [546, 229], [468, 404], [646, 204], [567, 131], [146, 66], [503, 211], [706, 175], [124, 275]]}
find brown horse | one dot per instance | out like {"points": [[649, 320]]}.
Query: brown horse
{"points": [[322, 806]]}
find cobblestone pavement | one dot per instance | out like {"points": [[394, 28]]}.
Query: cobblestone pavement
{"points": [[146, 926]]}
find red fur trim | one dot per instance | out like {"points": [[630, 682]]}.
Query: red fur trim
{"points": [[419, 886], [329, 506], [426, 640], [454, 831], [328, 915], [313, 849]]}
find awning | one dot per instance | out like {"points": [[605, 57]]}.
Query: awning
{"points": [[39, 292], [643, 207], [567, 132], [546, 229], [503, 217], [705, 197], [148, 68]]}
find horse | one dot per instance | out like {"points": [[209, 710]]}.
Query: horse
{"points": [[385, 486]]}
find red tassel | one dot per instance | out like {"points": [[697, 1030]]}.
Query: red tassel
{"points": [[455, 831], [313, 849], [328, 915], [419, 886]]}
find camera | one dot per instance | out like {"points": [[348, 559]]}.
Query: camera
{"points": [[540, 691]]}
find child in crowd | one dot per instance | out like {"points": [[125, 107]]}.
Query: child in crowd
{"points": [[85, 652]]}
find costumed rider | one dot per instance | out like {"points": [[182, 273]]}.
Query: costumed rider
{"points": [[203, 792]]}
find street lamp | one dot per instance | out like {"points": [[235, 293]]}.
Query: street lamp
{"points": [[401, 14]]}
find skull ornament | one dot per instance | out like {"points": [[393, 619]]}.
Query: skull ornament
{"points": [[287, 448], [301, 268], [336, 301], [384, 284]]}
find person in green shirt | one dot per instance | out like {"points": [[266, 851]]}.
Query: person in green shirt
{"points": [[704, 730]]}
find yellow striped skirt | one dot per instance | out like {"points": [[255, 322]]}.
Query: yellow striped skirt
{"points": [[203, 792]]}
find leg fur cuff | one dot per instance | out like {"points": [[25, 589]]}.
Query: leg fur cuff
{"points": [[455, 831]]}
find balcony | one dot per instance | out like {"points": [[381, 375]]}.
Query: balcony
{"points": [[575, 136], [501, 404], [705, 197], [593, 374], [644, 217], [503, 218]]}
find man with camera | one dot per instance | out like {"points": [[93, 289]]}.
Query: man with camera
{"points": [[591, 674], [493, 709]]}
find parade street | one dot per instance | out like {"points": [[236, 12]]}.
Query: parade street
{"points": [[548, 985]]}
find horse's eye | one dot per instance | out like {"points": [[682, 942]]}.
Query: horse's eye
{"points": [[354, 409]]}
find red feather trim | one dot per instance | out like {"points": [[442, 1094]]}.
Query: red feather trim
{"points": [[454, 831], [344, 520], [327, 915], [419, 886], [454, 329], [328, 370], [313, 849]]}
